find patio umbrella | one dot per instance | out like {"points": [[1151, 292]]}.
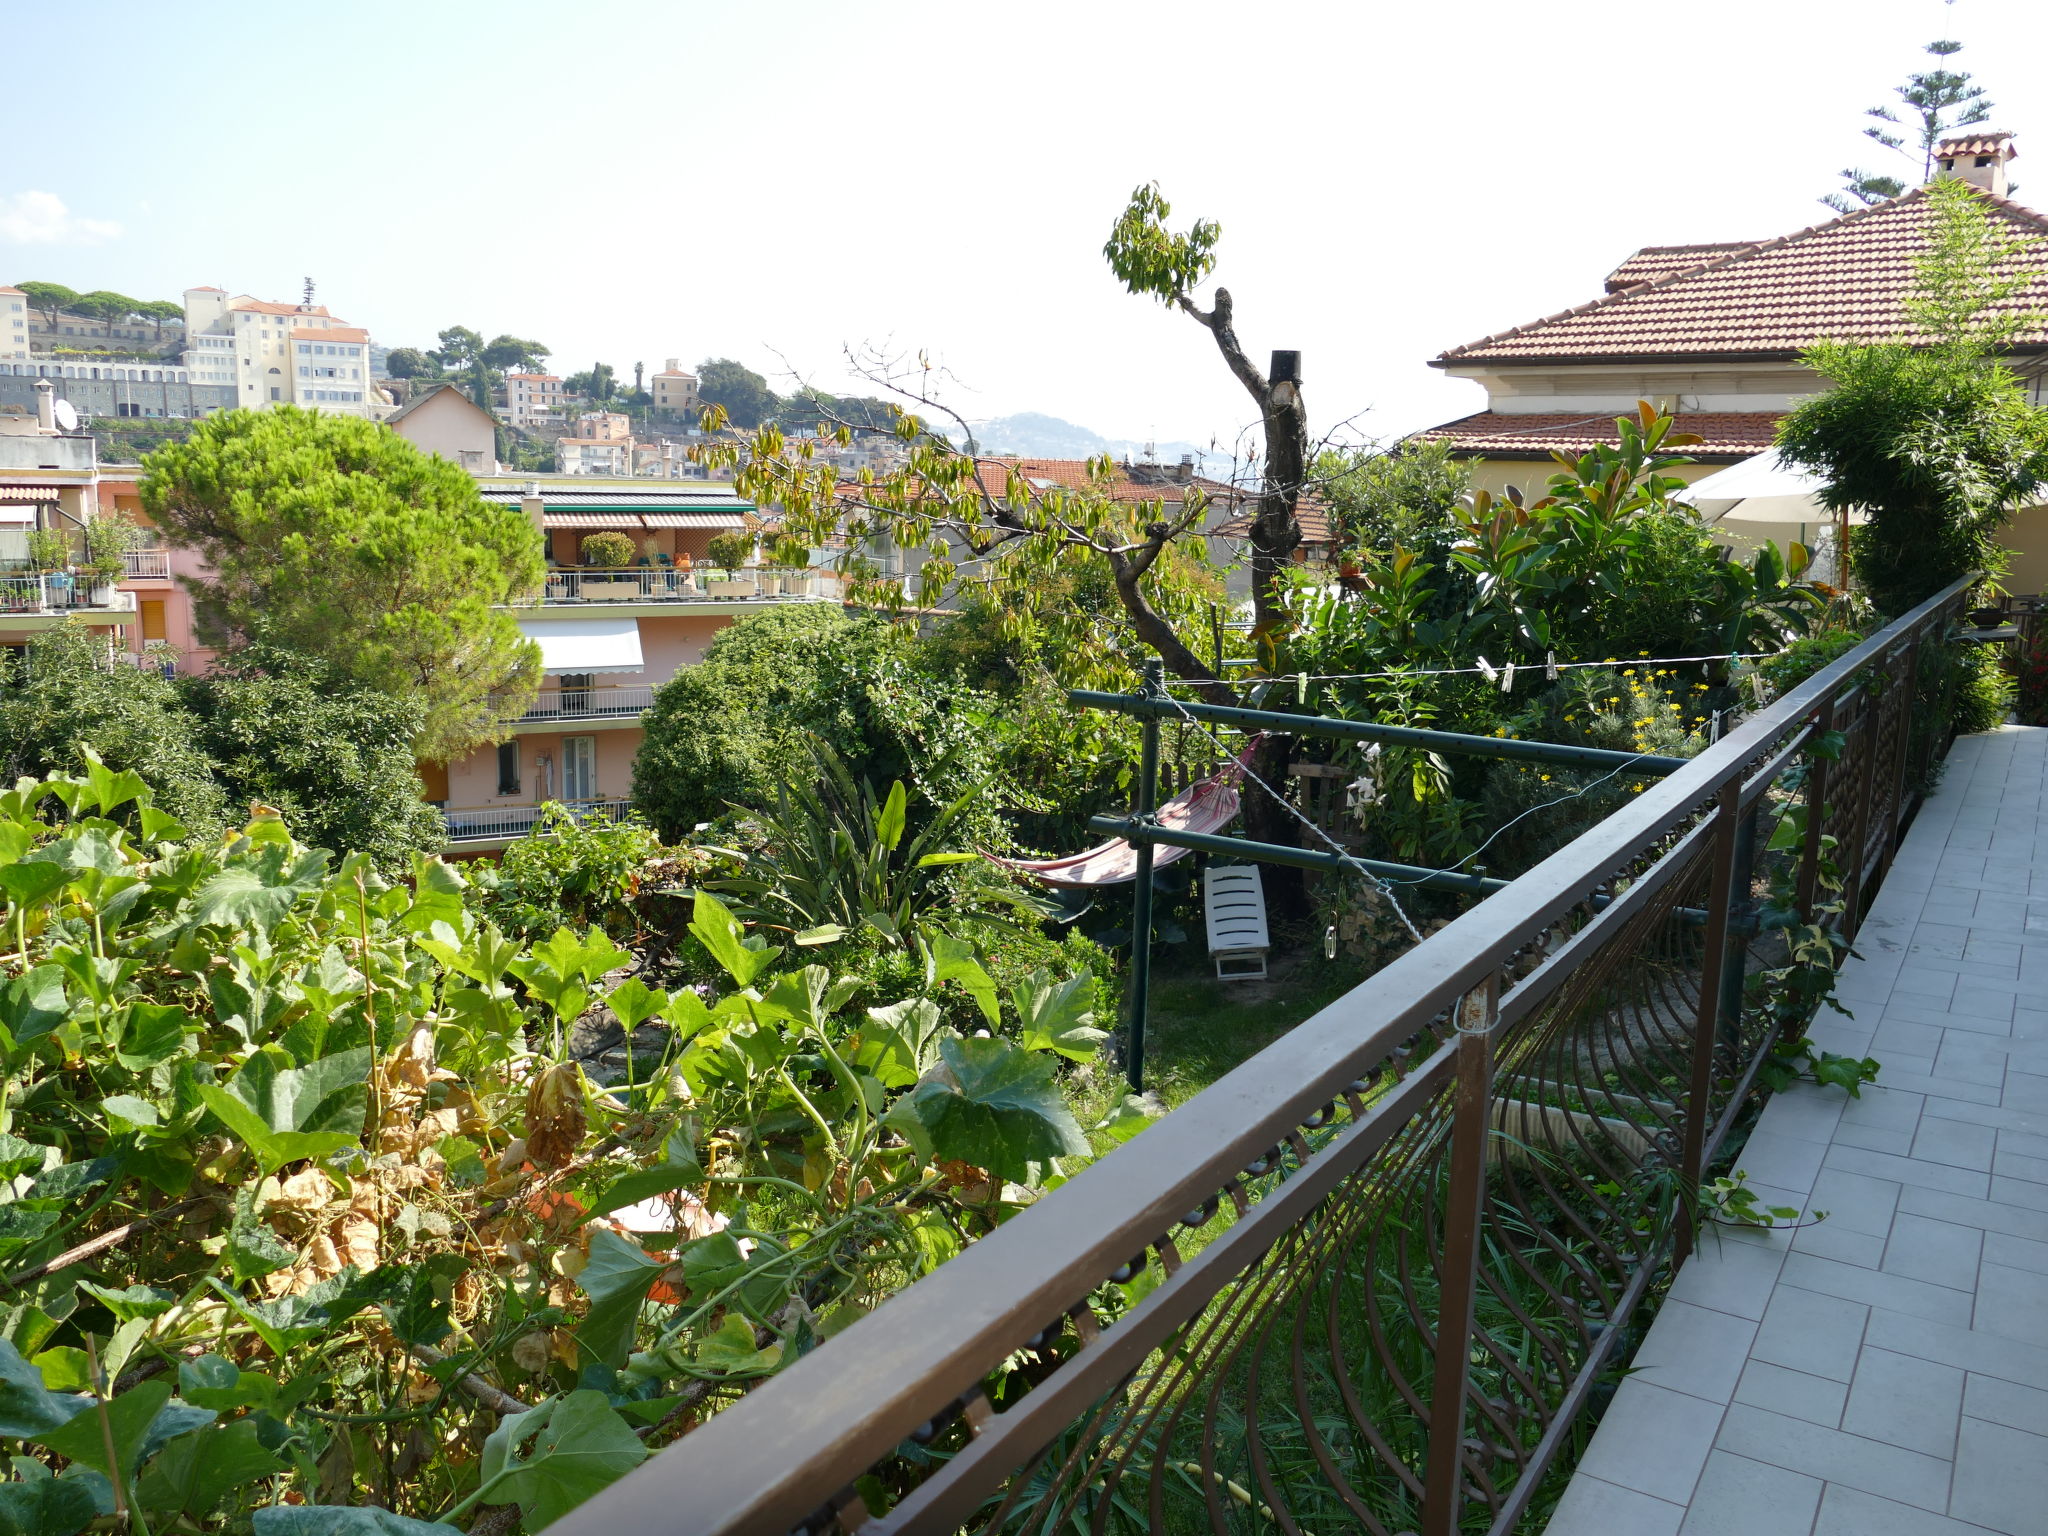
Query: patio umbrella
{"points": [[1766, 489]]}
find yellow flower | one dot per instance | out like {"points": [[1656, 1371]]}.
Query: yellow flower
{"points": [[1546, 778]]}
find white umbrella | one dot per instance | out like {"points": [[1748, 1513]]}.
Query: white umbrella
{"points": [[1764, 489]]}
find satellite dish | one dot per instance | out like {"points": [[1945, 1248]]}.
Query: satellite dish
{"points": [[67, 417]]}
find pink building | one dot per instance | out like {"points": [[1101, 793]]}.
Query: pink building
{"points": [[609, 636]]}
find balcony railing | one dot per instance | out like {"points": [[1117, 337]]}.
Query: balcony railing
{"points": [[600, 703], [147, 564], [701, 585], [499, 822], [48, 592], [1390, 1258]]}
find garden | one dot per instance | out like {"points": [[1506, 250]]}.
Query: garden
{"points": [[351, 1190]]}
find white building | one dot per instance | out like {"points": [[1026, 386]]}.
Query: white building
{"points": [[273, 353], [13, 323], [675, 391], [534, 400]]}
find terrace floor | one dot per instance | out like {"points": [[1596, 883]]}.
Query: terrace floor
{"points": [[1885, 1372]]}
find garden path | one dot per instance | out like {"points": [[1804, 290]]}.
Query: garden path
{"points": [[1885, 1372]]}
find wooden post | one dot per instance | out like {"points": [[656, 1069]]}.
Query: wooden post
{"points": [[1443, 1495]]}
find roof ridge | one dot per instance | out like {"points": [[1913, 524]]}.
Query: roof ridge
{"points": [[1607, 300]]}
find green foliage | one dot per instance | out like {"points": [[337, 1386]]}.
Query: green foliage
{"points": [[388, 1194], [107, 539], [607, 549], [51, 299], [412, 363], [1379, 497], [730, 551], [1805, 656], [48, 549], [839, 858], [569, 872], [1148, 258], [1984, 690], [742, 394], [334, 537], [722, 732], [266, 728], [1930, 435], [1938, 102]]}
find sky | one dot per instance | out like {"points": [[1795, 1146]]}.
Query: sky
{"points": [[631, 180]]}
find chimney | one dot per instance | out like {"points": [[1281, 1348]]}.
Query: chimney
{"points": [[531, 504], [1978, 158], [1185, 474], [46, 410], [672, 366]]}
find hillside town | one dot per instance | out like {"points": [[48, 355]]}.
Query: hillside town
{"points": [[672, 948]]}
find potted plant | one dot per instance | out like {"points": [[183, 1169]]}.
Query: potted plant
{"points": [[730, 551], [793, 558], [49, 552], [107, 542], [609, 551]]}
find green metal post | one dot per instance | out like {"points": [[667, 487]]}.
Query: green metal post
{"points": [[1141, 896]]}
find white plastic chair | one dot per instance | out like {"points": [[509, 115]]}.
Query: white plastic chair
{"points": [[1234, 910]]}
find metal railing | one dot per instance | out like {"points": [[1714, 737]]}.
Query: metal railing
{"points": [[623, 701], [1396, 1249], [704, 584], [56, 592], [499, 822], [147, 564]]}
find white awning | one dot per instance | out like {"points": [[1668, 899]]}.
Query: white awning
{"points": [[1764, 489], [586, 645]]}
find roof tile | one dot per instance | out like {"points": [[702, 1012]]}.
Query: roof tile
{"points": [[1498, 434]]}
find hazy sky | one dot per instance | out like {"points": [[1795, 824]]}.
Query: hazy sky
{"points": [[632, 179]]}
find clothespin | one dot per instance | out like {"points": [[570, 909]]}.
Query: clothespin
{"points": [[1507, 679], [1488, 670], [1550, 666], [1301, 687]]}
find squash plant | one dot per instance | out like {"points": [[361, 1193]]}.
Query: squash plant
{"points": [[307, 1218]]}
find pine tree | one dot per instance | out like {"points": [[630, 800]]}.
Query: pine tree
{"points": [[1931, 96]]}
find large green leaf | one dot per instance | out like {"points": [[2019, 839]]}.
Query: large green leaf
{"points": [[286, 1113], [555, 1456], [616, 1280], [136, 1418], [194, 1471], [893, 816], [33, 1004], [990, 1104], [150, 1033], [47, 1506], [951, 959], [1059, 1015], [28, 1410], [32, 883], [719, 932], [257, 892]]}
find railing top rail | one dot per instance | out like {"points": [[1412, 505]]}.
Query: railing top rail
{"points": [[766, 1462]]}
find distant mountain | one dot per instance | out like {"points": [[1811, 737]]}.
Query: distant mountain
{"points": [[1033, 434]]}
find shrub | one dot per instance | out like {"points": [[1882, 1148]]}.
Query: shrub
{"points": [[1806, 656], [730, 551], [1984, 692], [610, 549]]}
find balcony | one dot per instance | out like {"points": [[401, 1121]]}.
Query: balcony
{"points": [[53, 595], [622, 702], [757, 584], [147, 564], [500, 824]]}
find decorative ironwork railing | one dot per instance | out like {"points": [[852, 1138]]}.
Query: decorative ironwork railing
{"points": [[518, 820], [1395, 1250], [624, 701], [704, 584]]}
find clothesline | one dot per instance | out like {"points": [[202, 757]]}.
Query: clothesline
{"points": [[1550, 667]]}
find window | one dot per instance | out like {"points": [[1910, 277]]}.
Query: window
{"points": [[508, 767], [273, 392], [152, 610], [579, 768]]}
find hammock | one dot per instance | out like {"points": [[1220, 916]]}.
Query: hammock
{"points": [[1208, 805]]}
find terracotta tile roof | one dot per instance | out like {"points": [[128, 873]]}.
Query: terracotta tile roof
{"points": [[16, 292], [1845, 279], [1312, 515], [1130, 482], [332, 333], [1724, 435], [537, 378], [1655, 261], [265, 307], [1976, 144]]}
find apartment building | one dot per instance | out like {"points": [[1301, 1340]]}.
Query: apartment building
{"points": [[13, 323], [609, 637], [535, 400], [675, 391], [269, 353], [601, 444]]}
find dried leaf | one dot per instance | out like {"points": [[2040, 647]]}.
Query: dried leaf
{"points": [[554, 1115]]}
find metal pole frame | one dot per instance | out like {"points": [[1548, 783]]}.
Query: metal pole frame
{"points": [[1143, 816]]}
